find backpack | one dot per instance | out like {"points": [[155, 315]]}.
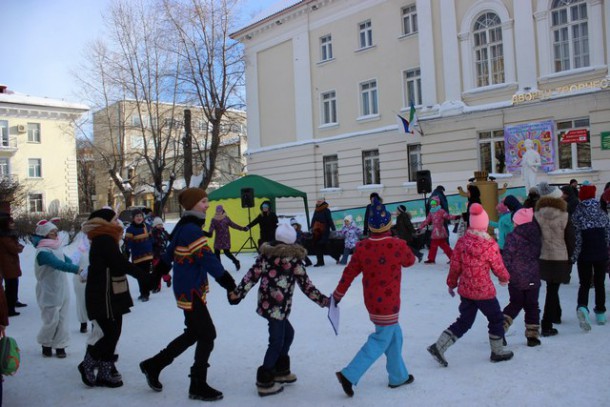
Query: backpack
{"points": [[9, 356]]}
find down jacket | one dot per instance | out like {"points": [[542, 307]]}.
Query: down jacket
{"points": [[592, 227], [521, 253], [437, 220]]}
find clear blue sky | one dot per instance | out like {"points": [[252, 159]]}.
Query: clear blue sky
{"points": [[41, 41]]}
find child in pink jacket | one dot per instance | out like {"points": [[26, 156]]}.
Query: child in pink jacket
{"points": [[438, 238], [474, 255]]}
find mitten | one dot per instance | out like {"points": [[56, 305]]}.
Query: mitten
{"points": [[168, 279]]}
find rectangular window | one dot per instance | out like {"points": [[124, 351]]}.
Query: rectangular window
{"points": [[414, 156], [34, 168], [412, 84], [370, 167], [331, 171], [366, 34], [34, 132], [409, 20], [4, 169], [326, 48], [137, 142], [368, 98], [329, 108], [35, 202], [4, 133], [491, 152], [573, 155]]}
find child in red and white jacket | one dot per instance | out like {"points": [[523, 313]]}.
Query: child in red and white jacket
{"points": [[438, 237], [474, 255]]}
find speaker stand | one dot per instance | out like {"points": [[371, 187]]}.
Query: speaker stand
{"points": [[249, 241]]}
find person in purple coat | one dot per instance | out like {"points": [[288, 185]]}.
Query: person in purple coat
{"points": [[520, 254], [222, 240]]}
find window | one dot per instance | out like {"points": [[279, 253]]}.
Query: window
{"points": [[491, 152], [35, 202], [34, 132], [4, 133], [136, 121], [412, 84], [414, 156], [570, 34], [326, 48], [573, 155], [329, 108], [409, 20], [488, 52], [34, 168], [366, 34], [4, 169], [368, 98], [331, 171], [370, 167]]}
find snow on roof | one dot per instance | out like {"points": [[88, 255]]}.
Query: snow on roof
{"points": [[23, 99], [270, 11]]}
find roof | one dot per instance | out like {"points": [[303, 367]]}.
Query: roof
{"points": [[27, 100], [268, 13]]}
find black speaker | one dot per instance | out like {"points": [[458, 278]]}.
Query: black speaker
{"points": [[424, 182], [247, 198]]}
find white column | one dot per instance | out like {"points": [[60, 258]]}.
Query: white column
{"points": [[524, 46], [596, 33], [426, 52], [467, 65], [544, 43], [254, 129], [451, 62], [607, 20], [509, 54], [302, 87]]}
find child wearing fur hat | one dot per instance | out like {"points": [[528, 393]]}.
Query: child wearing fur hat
{"points": [[279, 268], [474, 255], [379, 259], [521, 253], [438, 237], [351, 235], [139, 243], [406, 231], [160, 239], [222, 239]]}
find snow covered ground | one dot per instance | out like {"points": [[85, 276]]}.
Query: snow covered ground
{"points": [[567, 370]]}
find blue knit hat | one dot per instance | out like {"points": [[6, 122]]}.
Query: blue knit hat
{"points": [[380, 219]]}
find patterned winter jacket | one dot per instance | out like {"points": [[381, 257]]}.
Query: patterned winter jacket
{"points": [[521, 253], [437, 219], [592, 227], [279, 268], [380, 259], [138, 241], [351, 235], [474, 255], [220, 226]]}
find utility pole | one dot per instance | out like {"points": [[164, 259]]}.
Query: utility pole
{"points": [[188, 148]]}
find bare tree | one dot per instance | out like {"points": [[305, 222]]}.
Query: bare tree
{"points": [[11, 193], [86, 175]]}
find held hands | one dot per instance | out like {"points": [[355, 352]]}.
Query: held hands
{"points": [[451, 291], [503, 283], [233, 298]]}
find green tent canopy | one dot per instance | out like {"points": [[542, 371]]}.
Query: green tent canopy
{"points": [[263, 188]]}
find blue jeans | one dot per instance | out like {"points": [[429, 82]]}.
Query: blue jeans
{"points": [[346, 253], [385, 339], [281, 335]]}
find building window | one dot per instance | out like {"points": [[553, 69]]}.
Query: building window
{"points": [[370, 167], [4, 133], [34, 168], [329, 108], [573, 155], [326, 48], [414, 156], [570, 34], [4, 169], [35, 202], [366, 34], [488, 52], [412, 84], [409, 20], [491, 152], [331, 171], [34, 132], [368, 98]]}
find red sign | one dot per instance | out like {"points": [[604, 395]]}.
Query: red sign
{"points": [[576, 136]]}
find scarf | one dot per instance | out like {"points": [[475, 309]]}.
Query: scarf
{"points": [[97, 227], [52, 244]]}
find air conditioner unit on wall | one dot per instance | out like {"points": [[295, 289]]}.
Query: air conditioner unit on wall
{"points": [[21, 128]]}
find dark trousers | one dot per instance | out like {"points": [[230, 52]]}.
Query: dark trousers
{"points": [[281, 335], [11, 289], [320, 248], [143, 282], [552, 307], [415, 249], [227, 253], [468, 312], [104, 348], [598, 270], [526, 300]]}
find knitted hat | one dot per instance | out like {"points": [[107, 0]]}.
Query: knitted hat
{"points": [[157, 221], [380, 220], [55, 220], [548, 190], [401, 208], [523, 215], [285, 233], [136, 212], [479, 219], [349, 218], [190, 196], [512, 203], [44, 227], [107, 214], [502, 209], [219, 208], [587, 191]]}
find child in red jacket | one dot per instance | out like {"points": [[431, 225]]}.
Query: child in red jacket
{"points": [[474, 255], [438, 238]]}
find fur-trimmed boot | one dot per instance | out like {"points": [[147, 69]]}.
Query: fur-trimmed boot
{"points": [[532, 334], [105, 378], [438, 349], [87, 370], [199, 388], [266, 384], [498, 353], [281, 371], [152, 369]]}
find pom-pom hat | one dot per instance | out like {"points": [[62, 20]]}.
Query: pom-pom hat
{"points": [[523, 215], [380, 220], [285, 233], [479, 219]]}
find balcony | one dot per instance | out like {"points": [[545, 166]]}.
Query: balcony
{"points": [[8, 147]]}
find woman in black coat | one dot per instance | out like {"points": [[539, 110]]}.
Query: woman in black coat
{"points": [[267, 220], [321, 224]]}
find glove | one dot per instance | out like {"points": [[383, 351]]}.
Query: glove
{"points": [[168, 279], [336, 298], [233, 298], [450, 291], [226, 281]]}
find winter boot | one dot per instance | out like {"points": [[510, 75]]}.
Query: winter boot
{"points": [[83, 327], [237, 265], [152, 369], [498, 354], [60, 353], [199, 388], [508, 321], [87, 370], [345, 384], [531, 334], [114, 372], [47, 351], [104, 375], [600, 317], [281, 371], [583, 318], [438, 349], [265, 383], [409, 380]]}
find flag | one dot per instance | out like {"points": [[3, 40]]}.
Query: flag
{"points": [[405, 124], [413, 118], [412, 124]]}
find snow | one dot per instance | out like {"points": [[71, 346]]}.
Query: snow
{"points": [[568, 369], [22, 99]]}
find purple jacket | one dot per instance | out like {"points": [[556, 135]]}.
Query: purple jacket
{"points": [[222, 238], [521, 253]]}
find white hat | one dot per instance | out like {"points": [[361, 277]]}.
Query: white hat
{"points": [[548, 190], [157, 221], [349, 218], [44, 227], [285, 233]]}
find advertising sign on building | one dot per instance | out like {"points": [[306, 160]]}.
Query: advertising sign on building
{"points": [[541, 134], [575, 136]]}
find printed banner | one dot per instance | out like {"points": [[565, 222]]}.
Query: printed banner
{"points": [[541, 133]]}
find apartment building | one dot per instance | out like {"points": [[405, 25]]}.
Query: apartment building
{"points": [[326, 80]]}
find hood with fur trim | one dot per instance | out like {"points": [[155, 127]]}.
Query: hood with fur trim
{"points": [[279, 249], [550, 202]]}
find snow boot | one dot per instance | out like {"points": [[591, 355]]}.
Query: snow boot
{"points": [[532, 335], [438, 349], [87, 370], [152, 369], [281, 371], [498, 354], [265, 383], [104, 375], [409, 380], [345, 384], [47, 351], [583, 318], [600, 317], [508, 321], [237, 265], [199, 388]]}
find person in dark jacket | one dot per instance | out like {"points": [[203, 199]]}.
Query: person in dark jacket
{"points": [[10, 268], [474, 196], [367, 212], [107, 296], [592, 227], [139, 243], [267, 220], [321, 225], [406, 231], [533, 195], [570, 197], [3, 324]]}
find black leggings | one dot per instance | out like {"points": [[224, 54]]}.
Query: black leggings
{"points": [[227, 253], [104, 348]]}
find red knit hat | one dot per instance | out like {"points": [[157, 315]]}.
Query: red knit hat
{"points": [[586, 192]]}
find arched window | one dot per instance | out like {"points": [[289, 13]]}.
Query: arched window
{"points": [[570, 32], [488, 52]]}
